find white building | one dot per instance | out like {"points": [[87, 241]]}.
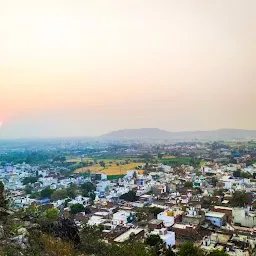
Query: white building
{"points": [[102, 186], [230, 182], [80, 200], [168, 237], [168, 217], [96, 220], [244, 217], [121, 217]]}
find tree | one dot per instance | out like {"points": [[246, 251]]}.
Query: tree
{"points": [[35, 195], [188, 184], [31, 179], [214, 181], [72, 190], [32, 212], [91, 241], [233, 160], [155, 210], [159, 155], [68, 171], [28, 189], [52, 214], [237, 173], [92, 244], [246, 175], [10, 250], [198, 173], [76, 208], [146, 172], [219, 192], [3, 201], [189, 249], [130, 196], [87, 210], [86, 188], [147, 157], [66, 202], [92, 195], [199, 190], [47, 192], [154, 240], [169, 252], [59, 159], [206, 203], [65, 229], [194, 162], [218, 253], [134, 248], [102, 164], [239, 199], [59, 194], [142, 216]]}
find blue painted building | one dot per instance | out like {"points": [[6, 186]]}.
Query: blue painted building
{"points": [[216, 218], [43, 201], [236, 154]]}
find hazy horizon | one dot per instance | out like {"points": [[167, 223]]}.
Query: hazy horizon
{"points": [[39, 137], [86, 68]]}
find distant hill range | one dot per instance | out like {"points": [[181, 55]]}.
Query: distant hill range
{"points": [[155, 134]]}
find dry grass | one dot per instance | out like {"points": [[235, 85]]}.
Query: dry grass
{"points": [[110, 169], [57, 247], [168, 157], [78, 160]]}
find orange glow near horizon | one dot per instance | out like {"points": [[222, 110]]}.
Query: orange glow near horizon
{"points": [[105, 65]]}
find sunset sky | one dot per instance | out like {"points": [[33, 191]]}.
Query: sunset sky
{"points": [[87, 67]]}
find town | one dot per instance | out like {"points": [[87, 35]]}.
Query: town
{"points": [[127, 128], [196, 198]]}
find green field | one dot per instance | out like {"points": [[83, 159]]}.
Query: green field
{"points": [[114, 177]]}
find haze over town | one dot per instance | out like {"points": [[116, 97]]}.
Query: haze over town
{"points": [[127, 128]]}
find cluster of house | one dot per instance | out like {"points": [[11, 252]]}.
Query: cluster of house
{"points": [[13, 177], [231, 229], [183, 215]]}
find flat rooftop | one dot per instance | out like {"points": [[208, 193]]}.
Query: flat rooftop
{"points": [[222, 238], [101, 213], [126, 235], [159, 206], [145, 196], [215, 214], [223, 207], [155, 222], [225, 202], [183, 226]]}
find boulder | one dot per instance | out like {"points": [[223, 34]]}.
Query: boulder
{"points": [[22, 231], [17, 239], [1, 232]]}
